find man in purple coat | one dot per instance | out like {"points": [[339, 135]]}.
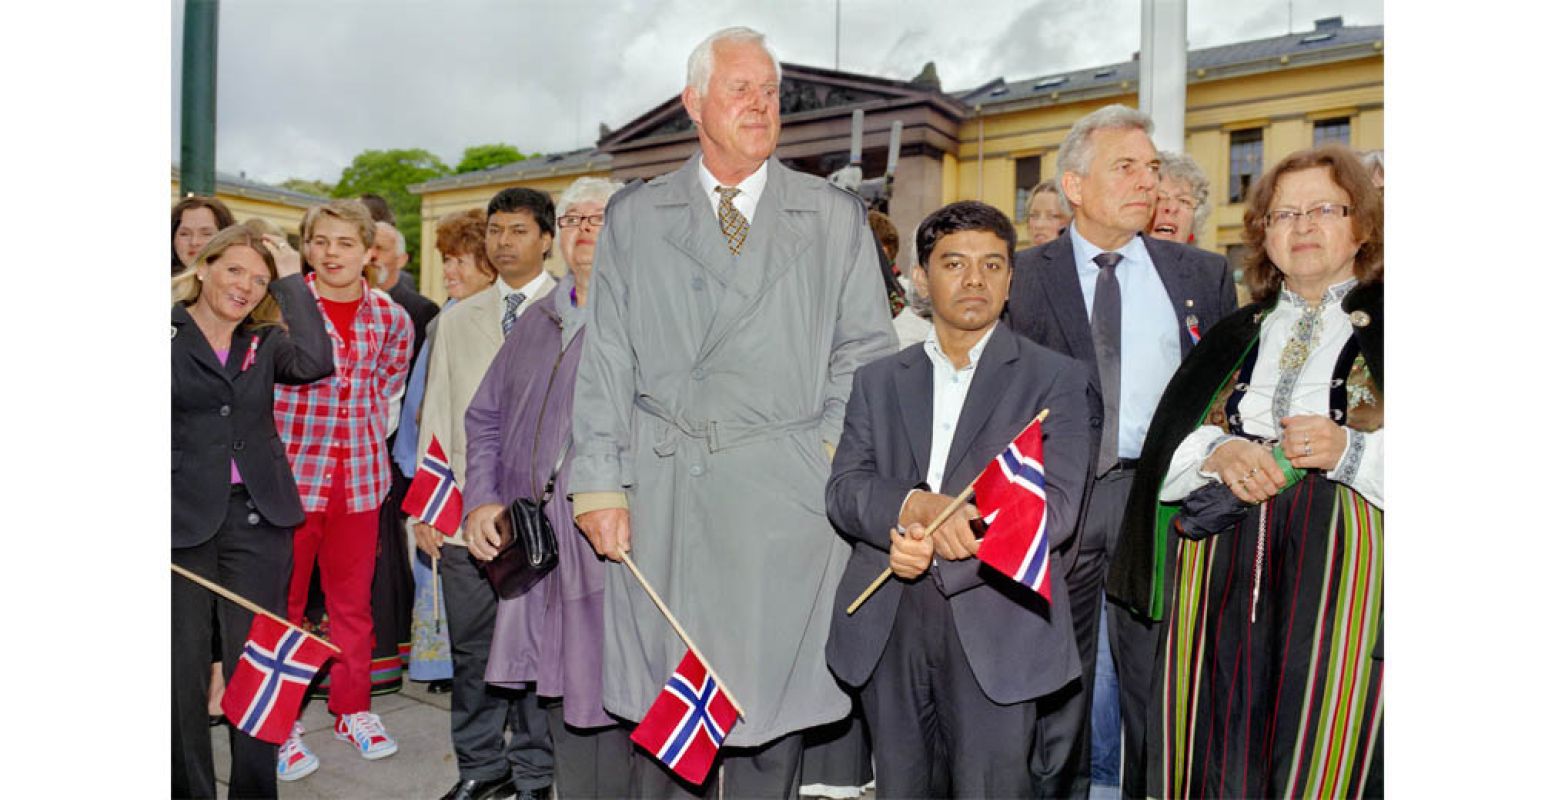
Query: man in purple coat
{"points": [[518, 429]]}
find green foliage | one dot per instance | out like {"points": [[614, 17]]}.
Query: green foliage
{"points": [[315, 188], [483, 156], [387, 173]]}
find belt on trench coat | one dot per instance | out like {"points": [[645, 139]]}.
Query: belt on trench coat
{"points": [[718, 435]]}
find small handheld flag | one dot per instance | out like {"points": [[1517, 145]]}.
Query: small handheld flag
{"points": [[1012, 496], [688, 721], [267, 688], [433, 496]]}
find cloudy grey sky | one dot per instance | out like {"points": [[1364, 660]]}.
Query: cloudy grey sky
{"points": [[305, 86]]}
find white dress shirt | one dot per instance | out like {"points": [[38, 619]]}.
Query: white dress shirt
{"points": [[750, 190], [536, 288], [950, 389], [1359, 467]]}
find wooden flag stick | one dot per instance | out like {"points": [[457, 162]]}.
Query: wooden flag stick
{"points": [[933, 526], [246, 603], [674, 623]]}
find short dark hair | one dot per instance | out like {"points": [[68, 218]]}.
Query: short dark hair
{"points": [[378, 207], [966, 215], [537, 203]]}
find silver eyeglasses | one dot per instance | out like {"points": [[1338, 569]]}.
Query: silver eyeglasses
{"points": [[1323, 212]]}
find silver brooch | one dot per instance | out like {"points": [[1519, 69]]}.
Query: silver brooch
{"points": [[175, 332], [1360, 319]]}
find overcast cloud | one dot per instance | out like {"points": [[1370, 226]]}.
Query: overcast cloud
{"points": [[305, 86]]}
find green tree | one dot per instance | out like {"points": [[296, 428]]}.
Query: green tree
{"points": [[387, 173], [315, 188], [483, 156]]}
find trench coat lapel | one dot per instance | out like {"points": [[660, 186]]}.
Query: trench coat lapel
{"points": [[694, 229], [915, 398], [1176, 278], [776, 242], [982, 396], [1068, 301]]}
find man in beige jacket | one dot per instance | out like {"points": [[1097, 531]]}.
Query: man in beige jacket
{"points": [[520, 225]]}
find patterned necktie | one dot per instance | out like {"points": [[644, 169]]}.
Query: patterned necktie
{"points": [[1107, 336], [510, 314], [734, 224]]}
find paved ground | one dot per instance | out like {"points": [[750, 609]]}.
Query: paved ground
{"points": [[423, 768]]}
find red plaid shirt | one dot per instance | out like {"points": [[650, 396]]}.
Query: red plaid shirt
{"points": [[350, 409]]}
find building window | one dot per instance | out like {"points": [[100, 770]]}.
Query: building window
{"points": [[1028, 173], [1331, 131], [1246, 162]]}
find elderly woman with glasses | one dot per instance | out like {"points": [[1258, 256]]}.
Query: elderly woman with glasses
{"points": [[1254, 528], [1181, 199], [519, 427]]}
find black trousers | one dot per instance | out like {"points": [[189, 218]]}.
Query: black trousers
{"points": [[1134, 641], [768, 771], [495, 731], [936, 733], [590, 762], [1097, 540], [253, 558]]}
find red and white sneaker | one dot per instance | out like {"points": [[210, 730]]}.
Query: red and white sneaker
{"points": [[364, 730], [294, 760]]}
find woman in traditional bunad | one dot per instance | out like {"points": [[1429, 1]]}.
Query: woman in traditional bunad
{"points": [[1255, 527]]}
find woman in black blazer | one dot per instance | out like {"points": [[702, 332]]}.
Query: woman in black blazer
{"points": [[234, 499]]}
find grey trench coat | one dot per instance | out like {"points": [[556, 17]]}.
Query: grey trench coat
{"points": [[706, 388]]}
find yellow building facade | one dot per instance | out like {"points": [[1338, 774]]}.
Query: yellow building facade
{"points": [[247, 199], [1267, 99]]}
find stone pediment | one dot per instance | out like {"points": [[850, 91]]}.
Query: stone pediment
{"points": [[804, 90]]}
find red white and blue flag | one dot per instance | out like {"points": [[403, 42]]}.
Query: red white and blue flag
{"points": [[688, 721], [266, 691], [1012, 497], [433, 496]]}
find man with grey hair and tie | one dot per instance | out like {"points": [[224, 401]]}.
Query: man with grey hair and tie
{"points": [[732, 300], [1131, 307]]}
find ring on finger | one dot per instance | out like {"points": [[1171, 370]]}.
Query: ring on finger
{"points": [[1307, 451]]}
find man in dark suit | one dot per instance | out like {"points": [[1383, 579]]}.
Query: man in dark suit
{"points": [[1130, 307], [957, 669]]}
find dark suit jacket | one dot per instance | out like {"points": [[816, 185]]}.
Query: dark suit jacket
{"points": [[1047, 306], [222, 412], [1018, 646], [420, 309]]}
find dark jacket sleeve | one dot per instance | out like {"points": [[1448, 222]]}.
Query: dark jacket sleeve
{"points": [[303, 351], [864, 504]]}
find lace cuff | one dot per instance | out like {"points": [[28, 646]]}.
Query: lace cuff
{"points": [[1350, 461]]}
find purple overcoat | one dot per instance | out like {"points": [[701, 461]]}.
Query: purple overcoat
{"points": [[551, 635]]}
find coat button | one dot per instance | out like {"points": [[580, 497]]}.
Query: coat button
{"points": [[697, 373], [697, 283], [226, 411], [253, 518], [237, 445], [696, 470]]}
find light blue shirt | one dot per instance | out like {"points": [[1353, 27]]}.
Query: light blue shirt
{"points": [[1151, 349]]}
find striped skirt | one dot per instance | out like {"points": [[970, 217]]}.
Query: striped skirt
{"points": [[1269, 681]]}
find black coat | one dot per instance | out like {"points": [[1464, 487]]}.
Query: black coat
{"points": [[1018, 647], [222, 412], [1138, 575]]}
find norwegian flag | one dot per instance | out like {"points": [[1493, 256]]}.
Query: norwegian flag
{"points": [[1012, 497], [433, 496], [688, 721], [266, 691]]}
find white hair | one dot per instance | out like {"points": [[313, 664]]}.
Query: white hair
{"points": [[1077, 151], [399, 238], [586, 189], [1182, 167], [699, 67]]}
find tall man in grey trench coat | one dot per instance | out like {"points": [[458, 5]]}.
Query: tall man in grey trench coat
{"points": [[710, 393]]}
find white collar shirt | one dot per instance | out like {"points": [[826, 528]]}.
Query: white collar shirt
{"points": [[750, 190], [950, 392]]}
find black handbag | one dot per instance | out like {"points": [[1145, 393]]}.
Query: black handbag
{"points": [[528, 549]]}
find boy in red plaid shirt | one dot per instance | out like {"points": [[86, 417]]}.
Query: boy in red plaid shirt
{"points": [[334, 433]]}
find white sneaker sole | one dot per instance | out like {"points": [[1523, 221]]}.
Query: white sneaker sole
{"points": [[299, 773]]}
